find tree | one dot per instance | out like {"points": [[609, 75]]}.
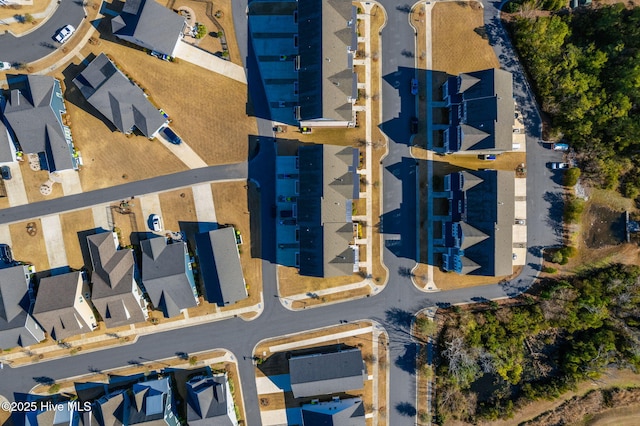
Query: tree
{"points": [[571, 176], [201, 31]]}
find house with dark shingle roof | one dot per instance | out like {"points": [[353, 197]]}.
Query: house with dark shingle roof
{"points": [[338, 412], [115, 293], [209, 401], [33, 115], [7, 148], [326, 373], [61, 307], [109, 409], [327, 182], [49, 412], [167, 275], [481, 112], [123, 103], [220, 267], [150, 25], [305, 53], [152, 404], [17, 326], [477, 234]]}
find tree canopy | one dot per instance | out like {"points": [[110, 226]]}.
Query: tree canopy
{"points": [[585, 67]]}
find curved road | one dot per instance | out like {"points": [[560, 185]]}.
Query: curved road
{"points": [[39, 43], [394, 306]]}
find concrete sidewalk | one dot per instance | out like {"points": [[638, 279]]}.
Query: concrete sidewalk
{"points": [[209, 61]]}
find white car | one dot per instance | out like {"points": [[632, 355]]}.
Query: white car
{"points": [[155, 223], [5, 66], [65, 33]]}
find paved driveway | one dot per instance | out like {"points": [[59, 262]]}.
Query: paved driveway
{"points": [[40, 43]]}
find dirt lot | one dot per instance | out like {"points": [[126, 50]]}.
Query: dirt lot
{"points": [[32, 248], [607, 227], [75, 228], [128, 223], [457, 47]]}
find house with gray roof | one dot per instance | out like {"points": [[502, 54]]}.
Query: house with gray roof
{"points": [[315, 193], [109, 409], [220, 268], [209, 401], [123, 103], [305, 56], [152, 404], [167, 275], [33, 115], [62, 308], [17, 326], [326, 373], [7, 148], [481, 112], [338, 412], [115, 293], [477, 233], [150, 25], [48, 413]]}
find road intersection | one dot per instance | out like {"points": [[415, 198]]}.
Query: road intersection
{"points": [[394, 306]]}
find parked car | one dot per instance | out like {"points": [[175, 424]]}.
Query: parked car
{"points": [[171, 136], [65, 33], [414, 125], [414, 86], [487, 156], [5, 66], [520, 222], [560, 147], [556, 166], [5, 253], [6, 172], [160, 55], [155, 223]]}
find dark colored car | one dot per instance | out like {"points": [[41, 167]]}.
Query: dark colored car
{"points": [[171, 136], [6, 172], [414, 125]]}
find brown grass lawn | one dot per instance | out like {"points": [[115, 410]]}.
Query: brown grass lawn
{"points": [[73, 223], [451, 280], [507, 161], [38, 6], [32, 182], [291, 282], [177, 206], [230, 201], [31, 249], [456, 47], [334, 136], [333, 297], [379, 149], [383, 364]]}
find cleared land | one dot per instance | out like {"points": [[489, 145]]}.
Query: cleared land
{"points": [[75, 228], [31, 248], [457, 45]]}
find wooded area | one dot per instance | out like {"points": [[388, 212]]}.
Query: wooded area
{"points": [[585, 68], [495, 358]]}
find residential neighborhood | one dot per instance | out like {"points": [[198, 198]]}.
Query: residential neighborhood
{"points": [[307, 213]]}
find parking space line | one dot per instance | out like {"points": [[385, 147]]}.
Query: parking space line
{"points": [[53, 240]]}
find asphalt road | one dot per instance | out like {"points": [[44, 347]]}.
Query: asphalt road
{"points": [[39, 43], [393, 307]]}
